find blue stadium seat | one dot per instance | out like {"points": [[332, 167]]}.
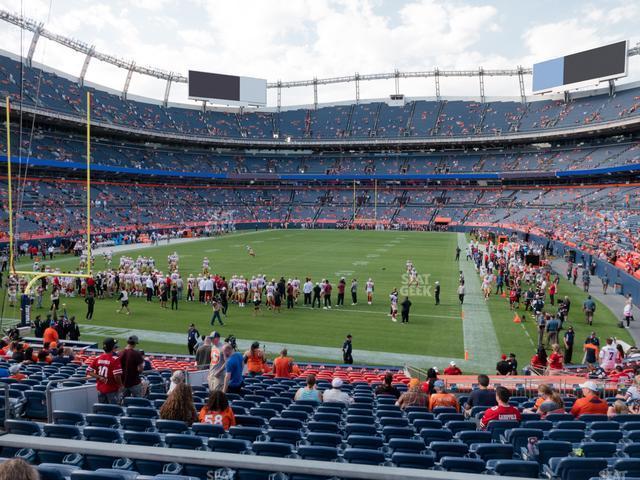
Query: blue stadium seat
{"points": [[108, 409], [449, 417], [397, 432], [320, 453], [462, 465], [326, 417], [363, 456], [265, 413], [406, 445], [285, 424], [250, 421], [498, 427], [598, 449], [148, 439], [592, 417], [632, 450], [460, 425], [393, 422], [55, 471], [68, 432], [570, 425], [470, 437], [575, 468], [63, 417], [278, 407], [365, 441], [101, 420], [272, 449], [36, 405], [432, 435], [101, 434], [514, 468], [419, 413], [228, 445], [184, 442], [597, 425], [630, 466], [171, 426], [207, 430], [245, 433], [491, 451], [544, 425], [630, 425], [362, 419], [573, 436], [355, 428], [547, 449], [137, 424], [23, 427], [448, 449], [440, 410], [419, 424], [292, 437], [558, 417], [413, 460], [606, 436], [322, 439], [295, 414], [142, 412], [136, 402]]}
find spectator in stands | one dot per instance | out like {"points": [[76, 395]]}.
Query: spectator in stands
{"points": [[544, 393], [17, 469], [502, 411], [107, 371], [539, 362], [203, 354], [18, 354], [483, 396], [619, 408], [177, 378], [50, 334], [590, 402], [217, 411], [608, 355], [179, 405], [414, 396], [255, 360], [503, 367], [309, 392], [387, 388], [217, 363], [441, 398], [432, 377], [556, 360], [14, 372], [283, 365], [452, 369], [233, 380], [132, 365], [335, 394]]}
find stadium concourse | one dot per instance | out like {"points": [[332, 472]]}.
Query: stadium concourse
{"points": [[520, 191]]}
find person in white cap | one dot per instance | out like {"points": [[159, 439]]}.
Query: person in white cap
{"points": [[334, 394], [452, 369], [590, 401]]}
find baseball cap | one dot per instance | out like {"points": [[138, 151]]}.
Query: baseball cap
{"points": [[503, 357], [133, 340], [589, 385], [438, 384], [214, 334], [336, 383], [109, 343], [452, 363]]}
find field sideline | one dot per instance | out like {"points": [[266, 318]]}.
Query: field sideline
{"points": [[434, 331]]}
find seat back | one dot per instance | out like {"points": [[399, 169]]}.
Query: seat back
{"points": [[462, 465], [320, 453], [363, 456], [577, 468], [516, 468], [413, 460], [185, 442], [448, 449]]}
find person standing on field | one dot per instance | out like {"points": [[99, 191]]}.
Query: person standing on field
{"points": [[354, 292], [342, 285], [461, 293], [436, 292], [347, 350]]}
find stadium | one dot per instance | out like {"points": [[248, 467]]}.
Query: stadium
{"points": [[203, 280]]}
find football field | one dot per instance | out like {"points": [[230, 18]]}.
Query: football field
{"points": [[434, 336]]}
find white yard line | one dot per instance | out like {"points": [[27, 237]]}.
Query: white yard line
{"points": [[480, 338]]}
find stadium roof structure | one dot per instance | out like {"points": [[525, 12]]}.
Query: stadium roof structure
{"points": [[170, 77]]}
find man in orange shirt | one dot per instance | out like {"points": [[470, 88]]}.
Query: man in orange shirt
{"points": [[283, 365], [441, 398], [590, 401], [50, 335]]}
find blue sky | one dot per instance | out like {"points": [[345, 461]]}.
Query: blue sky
{"points": [[300, 39]]}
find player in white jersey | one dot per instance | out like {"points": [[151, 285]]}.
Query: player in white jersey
{"points": [[250, 251], [393, 297], [271, 287], [205, 266], [295, 283], [369, 288]]}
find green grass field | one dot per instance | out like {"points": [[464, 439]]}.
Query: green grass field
{"points": [[434, 331]]}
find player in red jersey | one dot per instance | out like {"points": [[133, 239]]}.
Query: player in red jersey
{"points": [[107, 371], [502, 411]]}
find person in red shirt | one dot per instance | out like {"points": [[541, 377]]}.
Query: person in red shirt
{"points": [[452, 369], [556, 360], [283, 365], [590, 402], [341, 287], [107, 370], [327, 294], [502, 411], [552, 293]]}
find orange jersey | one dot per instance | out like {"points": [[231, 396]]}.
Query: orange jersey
{"points": [[589, 404], [255, 363], [443, 400], [50, 335], [282, 367], [225, 418]]}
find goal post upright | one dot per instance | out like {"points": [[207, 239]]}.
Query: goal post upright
{"points": [[88, 183], [9, 186]]}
